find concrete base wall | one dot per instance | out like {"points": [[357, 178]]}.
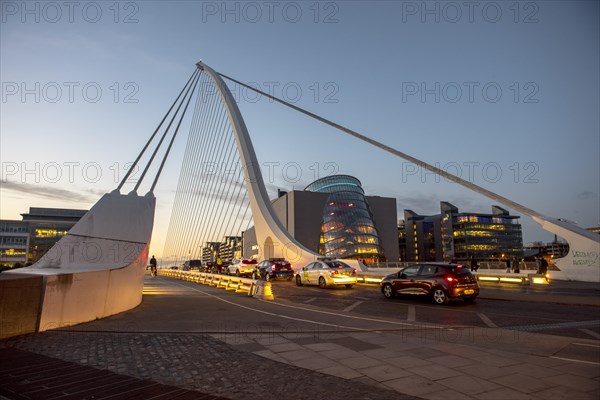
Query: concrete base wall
{"points": [[94, 271], [20, 304], [70, 299]]}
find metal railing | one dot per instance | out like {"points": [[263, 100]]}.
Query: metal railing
{"points": [[250, 287]]}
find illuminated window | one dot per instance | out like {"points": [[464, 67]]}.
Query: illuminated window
{"points": [[49, 233]]}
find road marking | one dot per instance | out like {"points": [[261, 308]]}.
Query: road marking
{"points": [[353, 316], [420, 326], [486, 320], [310, 300], [591, 333], [270, 313], [579, 361], [585, 344], [412, 312], [362, 298], [353, 306]]}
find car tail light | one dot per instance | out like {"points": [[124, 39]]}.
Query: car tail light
{"points": [[353, 272], [333, 272], [273, 268], [450, 279]]}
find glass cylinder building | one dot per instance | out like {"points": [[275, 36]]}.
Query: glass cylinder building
{"points": [[348, 229]]}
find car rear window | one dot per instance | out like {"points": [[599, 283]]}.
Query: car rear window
{"points": [[461, 271], [282, 263], [336, 265], [249, 262]]}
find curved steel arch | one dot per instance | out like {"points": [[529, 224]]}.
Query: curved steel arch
{"points": [[273, 239]]}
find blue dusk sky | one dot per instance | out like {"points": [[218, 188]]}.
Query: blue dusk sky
{"points": [[505, 93]]}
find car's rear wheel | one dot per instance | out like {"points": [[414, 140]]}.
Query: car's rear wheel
{"points": [[298, 280], [237, 273], [267, 277], [349, 286], [322, 282], [470, 300], [439, 296], [388, 291]]}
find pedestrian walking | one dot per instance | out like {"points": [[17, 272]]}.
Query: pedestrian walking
{"points": [[153, 266], [507, 262], [543, 266], [474, 266], [516, 263]]}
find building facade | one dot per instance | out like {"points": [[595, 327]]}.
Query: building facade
{"points": [[26, 241], [230, 248], [347, 226], [14, 242], [210, 251], [454, 235], [333, 217]]}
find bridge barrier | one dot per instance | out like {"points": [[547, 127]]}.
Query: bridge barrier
{"points": [[524, 278], [264, 290], [520, 278], [247, 286], [369, 278]]}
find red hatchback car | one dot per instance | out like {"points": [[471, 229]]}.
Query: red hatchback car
{"points": [[440, 281]]}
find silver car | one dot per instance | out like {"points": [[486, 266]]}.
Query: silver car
{"points": [[327, 273]]}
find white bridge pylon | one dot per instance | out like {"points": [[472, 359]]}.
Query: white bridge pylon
{"points": [[273, 239], [581, 263]]}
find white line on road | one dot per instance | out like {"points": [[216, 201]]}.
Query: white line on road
{"points": [[412, 312], [585, 344], [270, 313], [579, 361], [310, 300], [591, 333], [352, 316], [353, 306], [420, 326], [486, 320]]}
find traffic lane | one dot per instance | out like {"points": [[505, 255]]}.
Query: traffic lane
{"points": [[559, 319], [561, 294], [259, 318], [180, 306], [174, 306]]}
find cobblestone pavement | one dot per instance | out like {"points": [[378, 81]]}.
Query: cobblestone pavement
{"points": [[30, 376], [196, 361]]}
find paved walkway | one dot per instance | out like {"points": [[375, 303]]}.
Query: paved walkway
{"points": [[253, 362], [26, 375]]}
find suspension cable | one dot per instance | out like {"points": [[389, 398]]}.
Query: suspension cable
{"points": [[398, 153], [130, 170], [162, 164], [161, 140]]}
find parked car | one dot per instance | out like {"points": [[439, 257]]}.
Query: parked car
{"points": [[326, 273], [273, 268], [189, 265], [440, 281], [241, 266]]}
